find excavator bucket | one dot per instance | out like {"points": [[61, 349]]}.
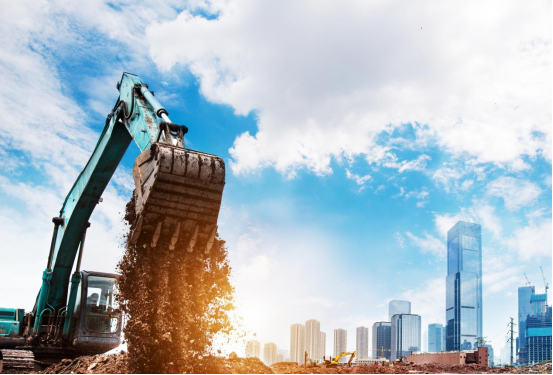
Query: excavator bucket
{"points": [[178, 194]]}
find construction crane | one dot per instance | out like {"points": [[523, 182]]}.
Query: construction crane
{"points": [[527, 280], [544, 282], [178, 194]]}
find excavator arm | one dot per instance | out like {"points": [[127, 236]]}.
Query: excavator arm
{"points": [[196, 180]]}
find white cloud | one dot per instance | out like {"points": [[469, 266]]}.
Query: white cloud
{"points": [[428, 301], [429, 244], [326, 87], [532, 241], [480, 213], [359, 180], [515, 193], [400, 240]]}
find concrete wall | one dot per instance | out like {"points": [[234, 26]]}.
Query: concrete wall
{"points": [[479, 356]]}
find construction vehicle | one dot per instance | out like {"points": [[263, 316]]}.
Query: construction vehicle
{"points": [[178, 195], [336, 361]]}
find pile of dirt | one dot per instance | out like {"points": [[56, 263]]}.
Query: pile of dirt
{"points": [[175, 301], [406, 368], [118, 364]]}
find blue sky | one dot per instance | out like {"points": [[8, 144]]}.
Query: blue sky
{"points": [[355, 136]]}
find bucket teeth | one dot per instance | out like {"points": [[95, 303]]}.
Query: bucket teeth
{"points": [[157, 233], [175, 237], [192, 242], [136, 232], [211, 240]]}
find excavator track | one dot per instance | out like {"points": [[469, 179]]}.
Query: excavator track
{"points": [[20, 360]]}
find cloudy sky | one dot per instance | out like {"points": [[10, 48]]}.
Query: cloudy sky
{"points": [[356, 134]]}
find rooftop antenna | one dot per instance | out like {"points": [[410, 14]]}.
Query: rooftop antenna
{"points": [[544, 282], [527, 281]]}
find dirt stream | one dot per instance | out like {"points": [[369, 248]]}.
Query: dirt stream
{"points": [[175, 302]]}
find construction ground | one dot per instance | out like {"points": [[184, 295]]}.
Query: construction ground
{"points": [[118, 364]]}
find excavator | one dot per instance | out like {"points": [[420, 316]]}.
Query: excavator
{"points": [[336, 361], [178, 194]]}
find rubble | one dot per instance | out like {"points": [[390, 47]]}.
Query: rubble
{"points": [[118, 364], [175, 301]]}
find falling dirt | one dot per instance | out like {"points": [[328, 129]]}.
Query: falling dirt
{"points": [[175, 302]]}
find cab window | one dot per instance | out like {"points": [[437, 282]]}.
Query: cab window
{"points": [[102, 314]]}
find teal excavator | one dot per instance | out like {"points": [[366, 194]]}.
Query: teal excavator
{"points": [[178, 194]]}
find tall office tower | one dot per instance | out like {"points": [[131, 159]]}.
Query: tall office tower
{"points": [[406, 335], [362, 343], [322, 345], [464, 286], [398, 307], [340, 342], [538, 330], [382, 340], [312, 337], [297, 343], [435, 337], [253, 349], [269, 353], [525, 293]]}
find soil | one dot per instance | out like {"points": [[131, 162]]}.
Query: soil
{"points": [[175, 302]]}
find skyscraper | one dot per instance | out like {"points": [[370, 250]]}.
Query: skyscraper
{"points": [[382, 336], [524, 309], [398, 307], [435, 337], [406, 335], [538, 330], [312, 338], [269, 353], [464, 286], [253, 349], [322, 345], [340, 341], [362, 343], [297, 343]]}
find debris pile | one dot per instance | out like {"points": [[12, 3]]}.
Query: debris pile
{"points": [[175, 301], [118, 364]]}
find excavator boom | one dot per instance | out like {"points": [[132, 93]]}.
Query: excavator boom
{"points": [[178, 194]]}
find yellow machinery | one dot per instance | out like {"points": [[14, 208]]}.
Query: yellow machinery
{"points": [[336, 361]]}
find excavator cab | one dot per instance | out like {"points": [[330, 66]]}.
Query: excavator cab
{"points": [[97, 318]]}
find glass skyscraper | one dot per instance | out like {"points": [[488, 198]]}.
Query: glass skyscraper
{"points": [[525, 293], [406, 335], [398, 307], [382, 336], [464, 286], [435, 337]]}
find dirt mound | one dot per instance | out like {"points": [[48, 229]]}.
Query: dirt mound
{"points": [[118, 364], [176, 301], [406, 368]]}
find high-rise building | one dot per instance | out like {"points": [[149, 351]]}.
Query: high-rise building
{"points": [[406, 335], [435, 337], [312, 338], [525, 293], [362, 343], [322, 345], [297, 343], [398, 307], [464, 286], [382, 340], [253, 349], [269, 353], [538, 330], [340, 341]]}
